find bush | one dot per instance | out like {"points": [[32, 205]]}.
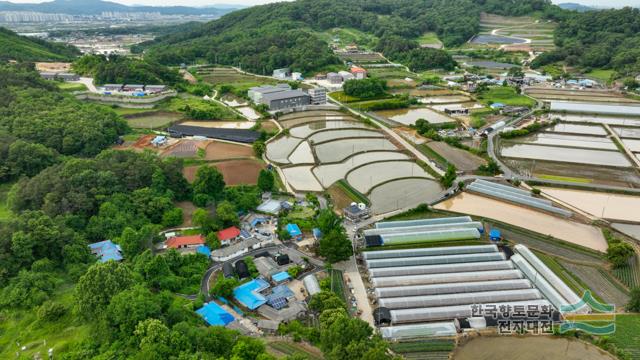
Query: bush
{"points": [[365, 88], [634, 302], [51, 311], [619, 253]]}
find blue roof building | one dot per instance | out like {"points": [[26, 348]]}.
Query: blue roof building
{"points": [[294, 231], [215, 315], [248, 294], [317, 234], [497, 105], [495, 235], [106, 250], [204, 250], [280, 277]]}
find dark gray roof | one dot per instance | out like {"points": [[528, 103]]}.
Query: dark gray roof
{"points": [[288, 94], [238, 135]]}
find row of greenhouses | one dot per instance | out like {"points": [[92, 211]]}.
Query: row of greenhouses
{"points": [[423, 231]]}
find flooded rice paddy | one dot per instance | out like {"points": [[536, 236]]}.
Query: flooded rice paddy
{"points": [[279, 150], [496, 39], [529, 348], [302, 154], [563, 229], [564, 154], [599, 119], [329, 135], [305, 131], [627, 132], [410, 116], [444, 99], [339, 150], [587, 107], [301, 178], [368, 176], [589, 142], [633, 145], [403, 194], [249, 113], [604, 205], [328, 174], [579, 129]]}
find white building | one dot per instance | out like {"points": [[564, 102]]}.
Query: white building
{"points": [[318, 96]]}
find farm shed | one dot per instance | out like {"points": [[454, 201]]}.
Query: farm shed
{"points": [[236, 135]]}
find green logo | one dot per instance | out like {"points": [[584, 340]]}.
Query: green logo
{"points": [[601, 321]]}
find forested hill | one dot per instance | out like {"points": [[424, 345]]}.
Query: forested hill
{"points": [[598, 39], [285, 34], [21, 48]]}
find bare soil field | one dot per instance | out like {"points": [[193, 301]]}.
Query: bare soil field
{"points": [[463, 160], [183, 149], [187, 212], [217, 150], [339, 198], [235, 172]]}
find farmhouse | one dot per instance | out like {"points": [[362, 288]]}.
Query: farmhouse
{"points": [[154, 89], [334, 78], [359, 72], [106, 250], [185, 242], [237, 249], [228, 235], [356, 212], [60, 76]]}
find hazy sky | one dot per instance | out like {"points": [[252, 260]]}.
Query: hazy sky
{"points": [[600, 3]]}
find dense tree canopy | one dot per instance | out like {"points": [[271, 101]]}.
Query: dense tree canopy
{"points": [[598, 39], [22, 48], [365, 88], [123, 70]]}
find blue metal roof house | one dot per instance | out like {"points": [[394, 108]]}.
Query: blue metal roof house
{"points": [[215, 315], [106, 250], [280, 277], [495, 235], [248, 294], [204, 250], [294, 231]]}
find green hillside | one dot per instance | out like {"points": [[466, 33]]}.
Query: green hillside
{"points": [[265, 37], [21, 48]]}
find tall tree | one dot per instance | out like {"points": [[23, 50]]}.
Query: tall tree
{"points": [[100, 283]]}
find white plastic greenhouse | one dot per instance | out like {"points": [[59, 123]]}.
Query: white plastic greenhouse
{"points": [[424, 228], [539, 281], [430, 236], [449, 250], [311, 283], [433, 260], [498, 191], [446, 278], [463, 287], [421, 222], [441, 268], [550, 276], [428, 301], [404, 316], [441, 329]]}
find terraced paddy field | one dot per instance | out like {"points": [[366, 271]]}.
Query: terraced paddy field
{"points": [[565, 155], [323, 148], [598, 96], [411, 115], [578, 141], [626, 121], [630, 133], [604, 205], [539, 33], [563, 229], [565, 128]]}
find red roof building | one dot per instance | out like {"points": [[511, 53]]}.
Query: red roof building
{"points": [[359, 72], [182, 242], [227, 235]]}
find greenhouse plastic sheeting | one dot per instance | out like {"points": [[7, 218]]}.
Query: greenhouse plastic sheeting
{"points": [[446, 278], [448, 250], [427, 301], [449, 312], [441, 268], [311, 284], [430, 236], [407, 223], [508, 188], [528, 201], [441, 329], [539, 281], [501, 188], [414, 229], [463, 287], [433, 260], [550, 276]]}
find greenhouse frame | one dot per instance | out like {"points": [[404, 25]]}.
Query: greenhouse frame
{"points": [[434, 260], [539, 281], [455, 288], [447, 278], [442, 329], [424, 228], [417, 315], [460, 299], [441, 268], [449, 250], [421, 222], [430, 236]]}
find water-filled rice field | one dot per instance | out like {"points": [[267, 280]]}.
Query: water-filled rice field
{"points": [[403, 194], [579, 129], [564, 154], [589, 142], [368, 176], [410, 116], [339, 150]]}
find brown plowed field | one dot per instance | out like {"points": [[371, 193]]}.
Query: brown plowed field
{"points": [[221, 151], [235, 172]]}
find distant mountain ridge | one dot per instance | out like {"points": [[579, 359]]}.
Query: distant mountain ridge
{"points": [[96, 7], [575, 7], [21, 48]]}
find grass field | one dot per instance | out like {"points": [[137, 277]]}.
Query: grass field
{"points": [[565, 178], [5, 213], [354, 194], [505, 95], [65, 86], [290, 349], [213, 110], [153, 120], [627, 335], [126, 111], [429, 38], [23, 326], [601, 74]]}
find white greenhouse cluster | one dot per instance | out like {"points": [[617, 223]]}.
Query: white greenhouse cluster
{"points": [[430, 291], [515, 195], [423, 231]]}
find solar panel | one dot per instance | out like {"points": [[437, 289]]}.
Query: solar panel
{"points": [[278, 303]]}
